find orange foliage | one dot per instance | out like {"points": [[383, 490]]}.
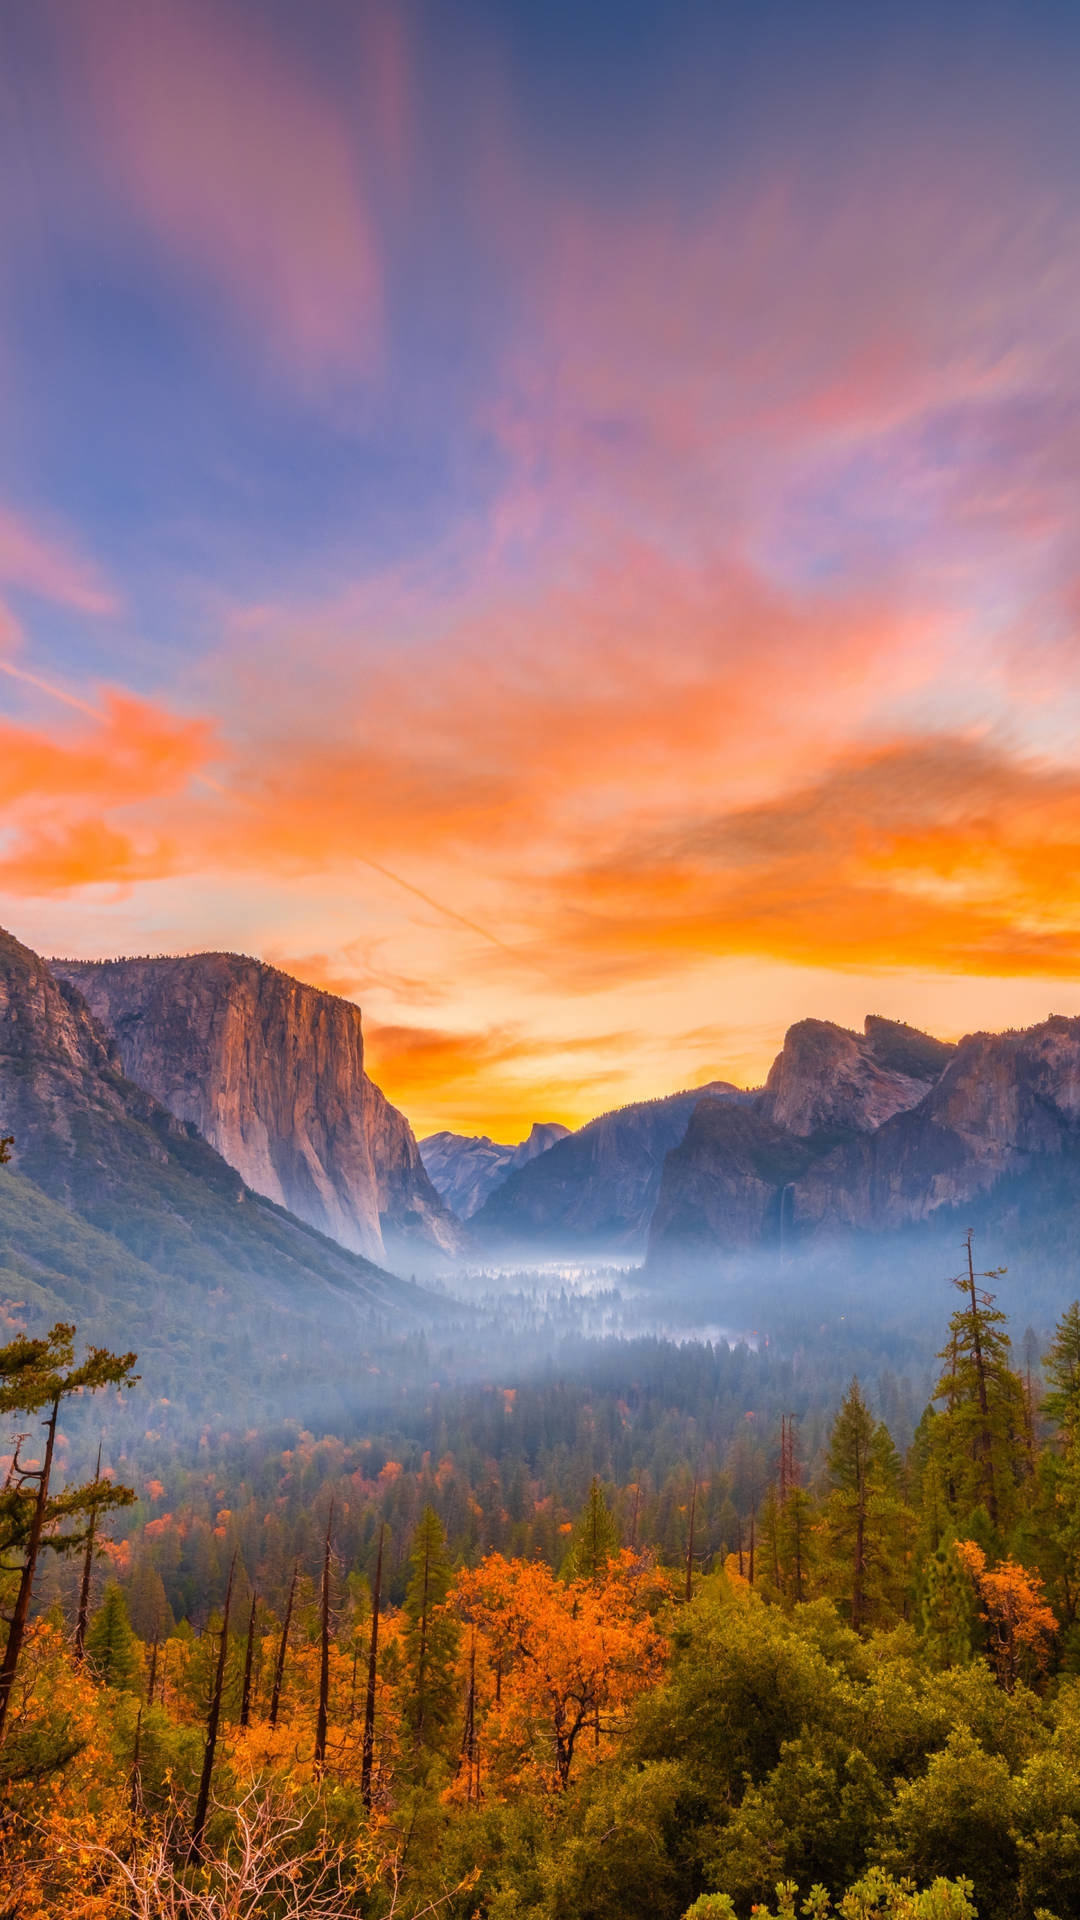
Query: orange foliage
{"points": [[1021, 1625], [563, 1658]]}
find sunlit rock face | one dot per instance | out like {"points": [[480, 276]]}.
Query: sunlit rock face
{"points": [[271, 1072], [828, 1078], [465, 1168], [871, 1132]]}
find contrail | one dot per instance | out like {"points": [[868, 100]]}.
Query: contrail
{"points": [[215, 786]]}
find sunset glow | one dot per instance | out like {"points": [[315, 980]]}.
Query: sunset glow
{"points": [[561, 529]]}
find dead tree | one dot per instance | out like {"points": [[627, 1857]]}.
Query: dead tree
{"points": [[83, 1614], [279, 1664], [324, 1651], [202, 1804], [369, 1703], [249, 1655]]}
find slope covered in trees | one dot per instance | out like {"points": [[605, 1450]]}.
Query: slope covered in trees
{"points": [[820, 1668]]}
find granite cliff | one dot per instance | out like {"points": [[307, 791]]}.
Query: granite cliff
{"points": [[465, 1168], [116, 1214], [271, 1072], [875, 1132]]}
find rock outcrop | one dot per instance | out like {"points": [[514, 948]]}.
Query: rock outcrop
{"points": [[465, 1168], [874, 1133], [596, 1189], [271, 1073], [827, 1079]]}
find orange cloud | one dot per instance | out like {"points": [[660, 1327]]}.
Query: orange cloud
{"points": [[945, 853], [66, 796], [444, 1078]]}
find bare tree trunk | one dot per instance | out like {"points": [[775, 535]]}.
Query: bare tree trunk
{"points": [[21, 1609], [249, 1656], [279, 1664], [202, 1804], [83, 1614], [136, 1771], [690, 1542], [369, 1703], [986, 1445], [324, 1652]]}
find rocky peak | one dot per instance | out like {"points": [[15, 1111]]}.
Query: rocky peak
{"points": [[828, 1079], [466, 1168]]}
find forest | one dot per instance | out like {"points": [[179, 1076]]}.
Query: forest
{"points": [[685, 1636]]}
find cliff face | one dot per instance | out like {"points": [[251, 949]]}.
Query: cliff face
{"points": [[117, 1215], [1005, 1102], [954, 1122], [271, 1072], [465, 1168], [597, 1187], [828, 1079]]}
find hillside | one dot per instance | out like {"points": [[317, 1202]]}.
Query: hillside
{"points": [[117, 1215]]}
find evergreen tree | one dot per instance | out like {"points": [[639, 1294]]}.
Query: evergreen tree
{"points": [[112, 1650], [595, 1539], [1056, 1533], [947, 1613], [796, 1544], [981, 1433], [37, 1376], [149, 1610], [431, 1637], [867, 1523]]}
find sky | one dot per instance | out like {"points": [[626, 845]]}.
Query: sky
{"points": [[558, 522]]}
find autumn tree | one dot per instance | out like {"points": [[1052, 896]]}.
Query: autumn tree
{"points": [[37, 1375], [569, 1655], [1020, 1626]]}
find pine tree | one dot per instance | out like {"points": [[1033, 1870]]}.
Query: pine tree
{"points": [[796, 1543], [112, 1650], [981, 1433], [867, 1523], [35, 1376], [431, 1636], [595, 1539]]}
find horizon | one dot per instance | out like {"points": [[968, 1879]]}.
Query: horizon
{"points": [[554, 524]]}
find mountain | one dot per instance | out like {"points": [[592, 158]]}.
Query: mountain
{"points": [[596, 1188], [119, 1216], [465, 1168], [878, 1132], [828, 1079], [271, 1072]]}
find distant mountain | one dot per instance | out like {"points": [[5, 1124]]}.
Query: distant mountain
{"points": [[596, 1188], [465, 1168], [878, 1132], [120, 1217], [271, 1072]]}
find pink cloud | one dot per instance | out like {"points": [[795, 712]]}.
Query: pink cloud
{"points": [[42, 565], [242, 168]]}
